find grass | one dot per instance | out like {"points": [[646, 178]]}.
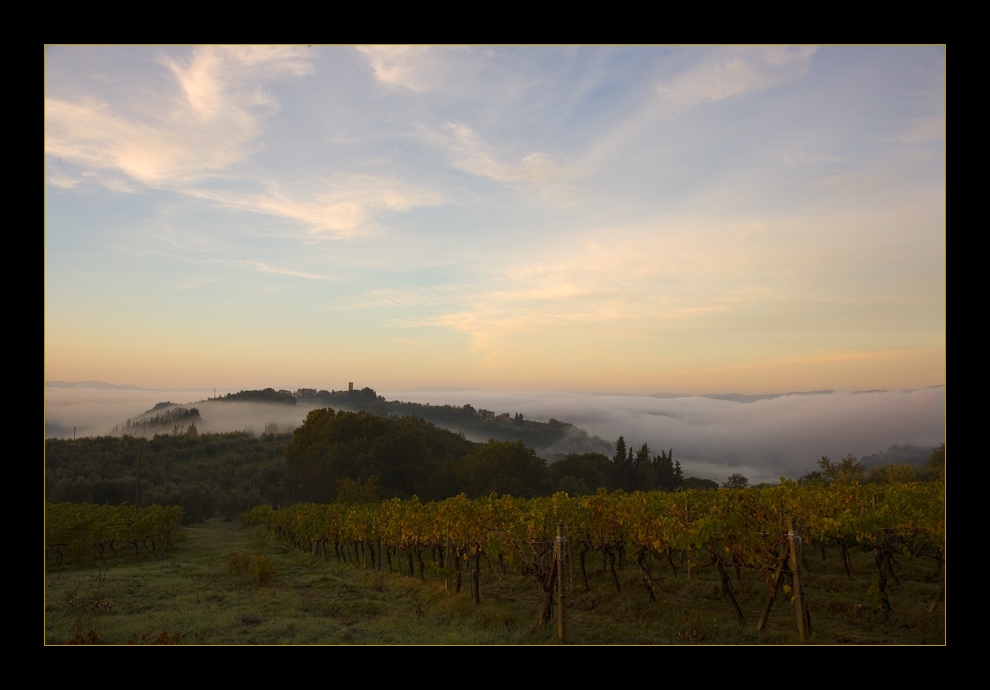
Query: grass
{"points": [[224, 585]]}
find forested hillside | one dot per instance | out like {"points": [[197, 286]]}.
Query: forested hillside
{"points": [[206, 474], [377, 456], [547, 438]]}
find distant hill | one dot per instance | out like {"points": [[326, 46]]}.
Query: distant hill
{"points": [[745, 398], [91, 384], [268, 395], [738, 397], [547, 438], [442, 389], [164, 417]]}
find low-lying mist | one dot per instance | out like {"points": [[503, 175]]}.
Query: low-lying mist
{"points": [[762, 439], [95, 412]]}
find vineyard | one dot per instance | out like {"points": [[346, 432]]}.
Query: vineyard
{"points": [[555, 540], [843, 563], [83, 528]]}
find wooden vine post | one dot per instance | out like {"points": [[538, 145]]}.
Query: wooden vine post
{"points": [[559, 555], [775, 587], [570, 562], [687, 520], [799, 606]]}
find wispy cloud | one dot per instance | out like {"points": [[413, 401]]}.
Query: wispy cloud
{"points": [[535, 171], [723, 74], [186, 137], [400, 66], [341, 206], [471, 153], [734, 72], [617, 284], [210, 121], [409, 297], [264, 268], [720, 75]]}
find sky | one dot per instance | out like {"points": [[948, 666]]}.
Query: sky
{"points": [[617, 220]]}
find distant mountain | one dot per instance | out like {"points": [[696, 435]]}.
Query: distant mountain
{"points": [[739, 397], [91, 384], [743, 398], [442, 389]]}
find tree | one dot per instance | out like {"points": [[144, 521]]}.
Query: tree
{"points": [[623, 473], [620, 451], [892, 474], [736, 481], [935, 467], [502, 467], [593, 470], [668, 471], [699, 484], [355, 491], [643, 468], [846, 471]]}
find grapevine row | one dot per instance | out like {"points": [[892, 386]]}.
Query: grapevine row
{"points": [[81, 527], [727, 529]]}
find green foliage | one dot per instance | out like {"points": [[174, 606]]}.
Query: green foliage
{"points": [[572, 486], [623, 474], [206, 474], [355, 491], [584, 473], [934, 469], [668, 471], [644, 468], [501, 467], [846, 471], [849, 470], [892, 474], [409, 455]]}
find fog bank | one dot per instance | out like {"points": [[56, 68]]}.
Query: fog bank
{"points": [[763, 439]]}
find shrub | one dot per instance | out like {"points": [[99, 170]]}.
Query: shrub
{"points": [[263, 570], [238, 563]]}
